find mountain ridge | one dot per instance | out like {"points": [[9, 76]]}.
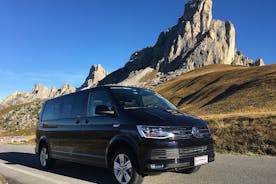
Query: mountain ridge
{"points": [[38, 92], [195, 41]]}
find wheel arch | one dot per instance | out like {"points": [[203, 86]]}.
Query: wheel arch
{"points": [[121, 141], [42, 140]]}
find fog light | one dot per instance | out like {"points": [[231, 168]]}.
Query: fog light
{"points": [[156, 166]]}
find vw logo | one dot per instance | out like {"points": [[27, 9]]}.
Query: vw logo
{"points": [[195, 132]]}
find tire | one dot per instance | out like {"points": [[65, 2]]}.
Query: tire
{"points": [[189, 170], [45, 161], [124, 168]]}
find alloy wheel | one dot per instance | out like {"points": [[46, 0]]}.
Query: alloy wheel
{"points": [[43, 157], [122, 168]]}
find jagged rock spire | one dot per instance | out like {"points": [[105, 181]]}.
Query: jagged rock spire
{"points": [[96, 73]]}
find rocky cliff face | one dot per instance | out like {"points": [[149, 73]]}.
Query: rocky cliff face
{"points": [[96, 73], [197, 40], [38, 92]]}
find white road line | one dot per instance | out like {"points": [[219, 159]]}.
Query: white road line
{"points": [[33, 174]]}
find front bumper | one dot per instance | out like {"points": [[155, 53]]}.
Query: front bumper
{"points": [[161, 155]]}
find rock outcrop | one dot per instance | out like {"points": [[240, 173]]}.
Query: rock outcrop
{"points": [[66, 89], [38, 92], [20, 117], [197, 40], [259, 62], [96, 73]]}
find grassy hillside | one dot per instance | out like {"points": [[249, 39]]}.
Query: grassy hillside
{"points": [[238, 103], [243, 134], [19, 120], [223, 89]]}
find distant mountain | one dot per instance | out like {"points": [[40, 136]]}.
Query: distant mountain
{"points": [[196, 41], [38, 92], [96, 73]]}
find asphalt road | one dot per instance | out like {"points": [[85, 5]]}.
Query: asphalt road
{"points": [[19, 164]]}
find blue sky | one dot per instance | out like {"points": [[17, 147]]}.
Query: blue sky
{"points": [[56, 41]]}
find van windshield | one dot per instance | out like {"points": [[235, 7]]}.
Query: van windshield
{"points": [[133, 98]]}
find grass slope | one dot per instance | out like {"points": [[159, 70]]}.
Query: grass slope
{"points": [[238, 103], [2, 180], [223, 89]]}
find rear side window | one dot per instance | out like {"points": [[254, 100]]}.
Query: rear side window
{"points": [[69, 106], [98, 97], [79, 105], [51, 110]]}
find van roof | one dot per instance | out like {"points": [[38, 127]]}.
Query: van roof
{"points": [[102, 86]]}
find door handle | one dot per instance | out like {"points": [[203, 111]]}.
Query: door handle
{"points": [[87, 121], [116, 125], [78, 121]]}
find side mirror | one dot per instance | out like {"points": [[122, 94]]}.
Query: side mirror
{"points": [[103, 110]]}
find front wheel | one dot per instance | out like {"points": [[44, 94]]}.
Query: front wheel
{"points": [[44, 159], [124, 168]]}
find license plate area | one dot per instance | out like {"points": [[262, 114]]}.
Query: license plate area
{"points": [[200, 160]]}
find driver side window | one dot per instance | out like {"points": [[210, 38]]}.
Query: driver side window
{"points": [[98, 97]]}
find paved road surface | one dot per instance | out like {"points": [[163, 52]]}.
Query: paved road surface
{"points": [[19, 164]]}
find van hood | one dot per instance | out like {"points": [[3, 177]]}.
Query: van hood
{"points": [[163, 117]]}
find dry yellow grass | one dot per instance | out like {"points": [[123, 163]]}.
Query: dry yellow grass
{"points": [[149, 76], [241, 114], [245, 135], [29, 131], [223, 89], [2, 180]]}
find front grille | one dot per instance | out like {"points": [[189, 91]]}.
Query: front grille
{"points": [[186, 132], [176, 153]]}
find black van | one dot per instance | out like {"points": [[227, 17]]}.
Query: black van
{"points": [[133, 131]]}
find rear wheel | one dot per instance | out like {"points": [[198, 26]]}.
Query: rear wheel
{"points": [[189, 170], [44, 159], [124, 168]]}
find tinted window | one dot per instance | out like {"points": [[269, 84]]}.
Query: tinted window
{"points": [[140, 98], [69, 106], [98, 97], [51, 110], [79, 105], [66, 107]]}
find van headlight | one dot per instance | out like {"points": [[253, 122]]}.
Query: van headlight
{"points": [[155, 132]]}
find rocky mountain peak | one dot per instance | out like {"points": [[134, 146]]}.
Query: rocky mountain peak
{"points": [[39, 91], [199, 14], [196, 41], [259, 62], [66, 89], [96, 73]]}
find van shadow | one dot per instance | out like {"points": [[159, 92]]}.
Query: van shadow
{"points": [[82, 172]]}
